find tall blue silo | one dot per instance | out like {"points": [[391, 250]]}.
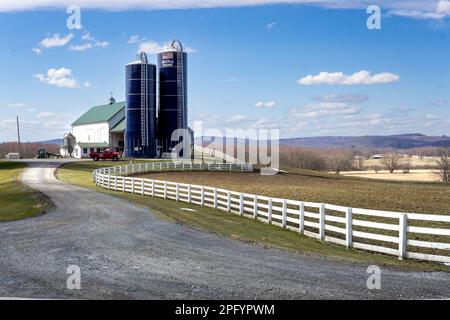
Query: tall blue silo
{"points": [[173, 112], [140, 133]]}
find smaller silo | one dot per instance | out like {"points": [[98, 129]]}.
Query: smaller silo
{"points": [[69, 142]]}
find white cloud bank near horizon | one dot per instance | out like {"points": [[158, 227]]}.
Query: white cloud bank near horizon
{"points": [[432, 9], [362, 77]]}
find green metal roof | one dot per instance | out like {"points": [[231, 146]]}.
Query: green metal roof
{"points": [[120, 127], [93, 144], [101, 113]]}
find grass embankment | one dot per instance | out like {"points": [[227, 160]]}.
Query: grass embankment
{"points": [[18, 201], [234, 226]]}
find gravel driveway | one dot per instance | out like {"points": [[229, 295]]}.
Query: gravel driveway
{"points": [[124, 251]]}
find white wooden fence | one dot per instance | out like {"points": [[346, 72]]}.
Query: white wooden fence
{"points": [[406, 235]]}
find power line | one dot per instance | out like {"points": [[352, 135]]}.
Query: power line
{"points": [[18, 138]]}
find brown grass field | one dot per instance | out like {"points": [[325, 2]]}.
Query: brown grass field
{"points": [[419, 175], [433, 198]]}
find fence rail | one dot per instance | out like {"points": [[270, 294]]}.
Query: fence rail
{"points": [[406, 235]]}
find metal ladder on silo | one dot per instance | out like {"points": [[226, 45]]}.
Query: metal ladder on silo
{"points": [[180, 90], [144, 104]]}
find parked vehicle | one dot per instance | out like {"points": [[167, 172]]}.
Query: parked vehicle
{"points": [[107, 154], [43, 154]]}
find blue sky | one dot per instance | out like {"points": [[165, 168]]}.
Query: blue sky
{"points": [[307, 70]]}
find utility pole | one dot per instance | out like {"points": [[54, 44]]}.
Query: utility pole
{"points": [[18, 138]]}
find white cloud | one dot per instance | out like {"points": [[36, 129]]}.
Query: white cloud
{"points": [[56, 41], [90, 42], [271, 25], [432, 117], [439, 102], [417, 14], [12, 105], [324, 109], [443, 7], [362, 77], [266, 104], [58, 77], [87, 37], [433, 9], [90, 45], [153, 47], [87, 84], [81, 47], [135, 39], [347, 97], [47, 115], [238, 118], [190, 50], [37, 50]]}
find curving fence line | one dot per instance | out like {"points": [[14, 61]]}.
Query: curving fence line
{"points": [[406, 235]]}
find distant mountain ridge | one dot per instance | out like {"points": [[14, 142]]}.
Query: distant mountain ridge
{"points": [[53, 141], [402, 141]]}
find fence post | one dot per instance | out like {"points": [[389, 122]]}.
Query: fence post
{"points": [[143, 188], [189, 193], [349, 229], [132, 185], [322, 222], [215, 198], [301, 224], [228, 201], [255, 207], [241, 204], [284, 223], [123, 184], [403, 235], [109, 181], [165, 189], [177, 192], [202, 196], [152, 190], [269, 211], [115, 183]]}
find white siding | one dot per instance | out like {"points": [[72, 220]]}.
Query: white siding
{"points": [[93, 133]]}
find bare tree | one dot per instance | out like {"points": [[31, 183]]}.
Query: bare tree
{"points": [[443, 165], [391, 162], [406, 166], [340, 161]]}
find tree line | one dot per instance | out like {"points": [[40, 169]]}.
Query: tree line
{"points": [[29, 149]]}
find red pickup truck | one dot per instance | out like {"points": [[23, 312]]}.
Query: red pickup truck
{"points": [[107, 154]]}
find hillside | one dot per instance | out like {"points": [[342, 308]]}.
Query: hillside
{"points": [[404, 141]]}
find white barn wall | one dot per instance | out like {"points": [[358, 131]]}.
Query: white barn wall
{"points": [[94, 133]]}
